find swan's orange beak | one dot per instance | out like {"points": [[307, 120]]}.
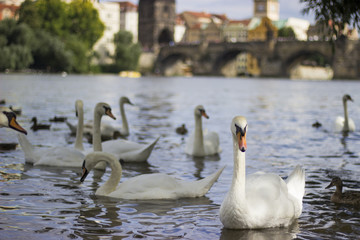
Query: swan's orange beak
{"points": [[14, 125], [241, 141], [203, 113], [109, 113]]}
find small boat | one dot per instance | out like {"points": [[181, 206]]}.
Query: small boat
{"points": [[130, 74]]}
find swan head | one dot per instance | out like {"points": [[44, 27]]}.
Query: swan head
{"points": [[91, 160], [104, 109], [347, 97], [8, 119], [124, 100], [200, 112], [78, 105], [238, 129], [336, 181]]}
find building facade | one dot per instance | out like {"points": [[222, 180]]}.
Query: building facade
{"points": [[267, 8], [156, 23], [129, 18]]}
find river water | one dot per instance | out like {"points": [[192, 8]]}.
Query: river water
{"points": [[50, 203]]}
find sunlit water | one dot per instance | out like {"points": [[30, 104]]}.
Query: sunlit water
{"points": [[50, 203]]}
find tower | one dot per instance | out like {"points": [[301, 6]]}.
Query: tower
{"points": [[266, 8], [156, 23]]}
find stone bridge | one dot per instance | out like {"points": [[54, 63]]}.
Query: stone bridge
{"points": [[275, 58]]}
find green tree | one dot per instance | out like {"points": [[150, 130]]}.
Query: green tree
{"points": [[127, 53], [84, 21], [286, 32], [16, 41], [339, 12]]}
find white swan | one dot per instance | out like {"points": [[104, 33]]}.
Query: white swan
{"points": [[60, 156], [108, 131], [345, 124], [260, 200], [8, 120], [202, 143], [145, 186]]}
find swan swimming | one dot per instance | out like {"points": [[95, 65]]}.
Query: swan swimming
{"points": [[260, 200], [8, 120], [345, 124], [60, 156], [202, 143], [145, 186]]}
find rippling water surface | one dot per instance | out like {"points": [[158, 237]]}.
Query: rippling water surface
{"points": [[50, 203]]}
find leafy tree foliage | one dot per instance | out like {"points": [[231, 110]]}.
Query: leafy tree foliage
{"points": [[286, 32], [15, 45], [126, 53], [339, 12]]}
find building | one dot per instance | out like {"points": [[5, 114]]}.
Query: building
{"points": [[180, 29], [156, 23], [8, 8], [236, 30], [109, 13], [263, 31], [267, 8], [129, 18], [300, 26], [203, 27]]}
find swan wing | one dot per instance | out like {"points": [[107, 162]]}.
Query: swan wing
{"points": [[339, 123], [190, 144], [60, 156], [211, 143]]}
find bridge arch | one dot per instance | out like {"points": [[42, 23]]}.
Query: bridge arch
{"points": [[176, 64], [308, 60], [235, 62]]}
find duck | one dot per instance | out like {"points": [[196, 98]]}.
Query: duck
{"points": [[202, 143], [259, 200], [58, 119], [60, 156], [181, 130], [145, 186], [37, 126], [348, 197], [8, 120], [345, 124], [316, 124], [16, 110]]}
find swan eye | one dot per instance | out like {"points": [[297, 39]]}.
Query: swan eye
{"points": [[107, 108], [240, 130]]}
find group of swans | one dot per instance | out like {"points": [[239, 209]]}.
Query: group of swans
{"points": [[73, 156], [107, 131]]}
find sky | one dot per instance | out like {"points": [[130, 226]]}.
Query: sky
{"points": [[239, 9]]}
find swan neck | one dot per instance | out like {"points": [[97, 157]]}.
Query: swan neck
{"points": [[97, 147], [125, 126], [198, 137], [238, 181], [346, 116], [116, 171], [80, 130]]}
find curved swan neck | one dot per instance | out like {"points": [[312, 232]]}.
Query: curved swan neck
{"points": [[116, 171], [238, 181], [346, 116], [125, 126], [80, 129], [97, 132], [198, 137]]}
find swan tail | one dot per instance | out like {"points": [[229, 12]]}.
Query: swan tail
{"points": [[296, 183], [146, 151], [201, 187], [27, 148]]}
